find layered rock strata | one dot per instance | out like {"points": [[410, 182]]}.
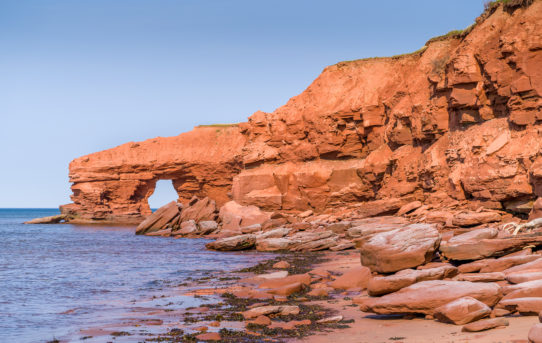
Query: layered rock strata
{"points": [[458, 121]]}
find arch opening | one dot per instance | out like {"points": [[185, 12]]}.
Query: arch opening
{"points": [[163, 193]]}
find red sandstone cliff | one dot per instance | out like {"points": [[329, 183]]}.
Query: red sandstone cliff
{"points": [[457, 121]]}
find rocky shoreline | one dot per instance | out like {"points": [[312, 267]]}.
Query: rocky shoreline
{"points": [[470, 269]]}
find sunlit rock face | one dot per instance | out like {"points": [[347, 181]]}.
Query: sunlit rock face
{"points": [[458, 121]]}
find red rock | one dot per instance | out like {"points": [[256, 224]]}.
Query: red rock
{"points": [[252, 294], [281, 265], [527, 289], [424, 297], [481, 277], [462, 311], [473, 102], [287, 289], [524, 306], [380, 285], [529, 266], [158, 219], [291, 325], [260, 320], [265, 310], [318, 292], [355, 278], [479, 249], [536, 211], [535, 334], [234, 216], [506, 262], [273, 244], [486, 233], [401, 248], [209, 336], [411, 206], [304, 279], [200, 210], [241, 242], [475, 218], [485, 324], [524, 276]]}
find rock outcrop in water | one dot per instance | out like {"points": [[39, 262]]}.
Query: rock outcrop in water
{"points": [[455, 125]]}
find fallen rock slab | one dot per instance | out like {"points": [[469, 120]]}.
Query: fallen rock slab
{"points": [[424, 297], [327, 320], [265, 310], [273, 244], [281, 265], [462, 311], [380, 285], [355, 278], [503, 263], [529, 266], [48, 220], [158, 219], [486, 233], [485, 324], [304, 279], [287, 289], [241, 242], [535, 334], [525, 306], [527, 289], [401, 248], [475, 218], [480, 249], [291, 325], [481, 277], [525, 276]]}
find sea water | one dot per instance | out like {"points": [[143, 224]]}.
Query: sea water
{"points": [[58, 278]]}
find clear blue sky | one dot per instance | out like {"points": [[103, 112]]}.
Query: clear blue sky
{"points": [[82, 76]]}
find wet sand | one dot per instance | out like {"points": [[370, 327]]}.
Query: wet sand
{"points": [[367, 328]]}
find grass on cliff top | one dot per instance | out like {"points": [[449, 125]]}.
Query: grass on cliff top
{"points": [[217, 125], [489, 8], [508, 4]]}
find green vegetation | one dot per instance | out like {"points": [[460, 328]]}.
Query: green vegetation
{"points": [[217, 125], [508, 4], [490, 7]]}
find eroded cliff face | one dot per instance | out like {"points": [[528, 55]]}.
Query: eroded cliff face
{"points": [[114, 185], [459, 121]]}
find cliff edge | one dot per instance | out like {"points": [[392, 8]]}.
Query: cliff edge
{"points": [[458, 122]]}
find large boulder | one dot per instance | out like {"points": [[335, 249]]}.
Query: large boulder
{"points": [[240, 242], [426, 296], [535, 333], [48, 220], [200, 210], [485, 233], [157, 220], [529, 289], [235, 216], [485, 324], [401, 248], [475, 218], [531, 306], [479, 249], [355, 278], [380, 285], [462, 311], [273, 244]]}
